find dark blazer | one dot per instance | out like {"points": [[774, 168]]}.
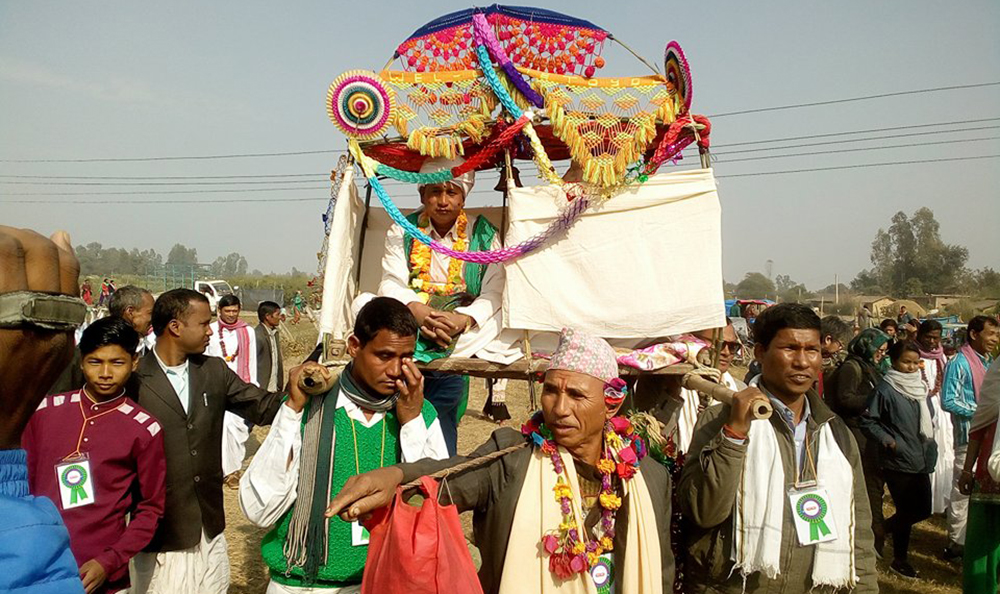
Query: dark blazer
{"points": [[193, 441], [492, 491], [264, 355]]}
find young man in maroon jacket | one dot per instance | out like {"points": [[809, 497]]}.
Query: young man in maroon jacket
{"points": [[99, 457]]}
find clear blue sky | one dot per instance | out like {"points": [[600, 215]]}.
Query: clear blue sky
{"points": [[126, 79]]}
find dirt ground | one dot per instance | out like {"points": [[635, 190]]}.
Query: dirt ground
{"points": [[249, 575]]}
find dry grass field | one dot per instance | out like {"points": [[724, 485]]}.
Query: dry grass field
{"points": [[249, 575]]}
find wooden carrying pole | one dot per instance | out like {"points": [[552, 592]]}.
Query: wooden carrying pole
{"points": [[761, 410], [315, 383]]}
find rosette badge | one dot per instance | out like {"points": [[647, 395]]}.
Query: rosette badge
{"points": [[812, 509], [360, 104]]}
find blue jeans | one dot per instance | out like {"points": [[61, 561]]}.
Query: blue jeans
{"points": [[445, 392]]}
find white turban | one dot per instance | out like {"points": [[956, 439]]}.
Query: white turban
{"points": [[464, 182]]}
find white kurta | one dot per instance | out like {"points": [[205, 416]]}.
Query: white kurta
{"points": [[687, 417], [485, 310], [235, 431], [942, 479], [269, 486]]}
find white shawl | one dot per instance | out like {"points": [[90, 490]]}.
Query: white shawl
{"points": [[759, 514]]}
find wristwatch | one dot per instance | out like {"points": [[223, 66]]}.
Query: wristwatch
{"points": [[61, 313]]}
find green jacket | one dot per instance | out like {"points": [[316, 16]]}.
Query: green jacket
{"points": [[707, 493]]}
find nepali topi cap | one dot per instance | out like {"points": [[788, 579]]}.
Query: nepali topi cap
{"points": [[590, 355]]}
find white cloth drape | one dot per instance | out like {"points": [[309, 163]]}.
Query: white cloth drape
{"points": [[942, 478], [646, 263]]}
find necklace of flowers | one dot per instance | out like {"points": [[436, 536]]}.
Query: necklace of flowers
{"points": [[222, 342], [938, 377], [420, 262], [620, 456]]}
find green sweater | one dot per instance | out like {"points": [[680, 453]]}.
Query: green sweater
{"points": [[376, 446]]}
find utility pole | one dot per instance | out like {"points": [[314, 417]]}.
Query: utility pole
{"points": [[836, 288]]}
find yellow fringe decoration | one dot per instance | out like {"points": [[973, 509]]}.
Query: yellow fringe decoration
{"points": [[617, 145]]}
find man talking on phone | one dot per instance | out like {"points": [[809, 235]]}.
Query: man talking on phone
{"points": [[374, 416]]}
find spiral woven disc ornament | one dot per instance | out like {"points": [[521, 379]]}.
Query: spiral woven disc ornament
{"points": [[678, 73], [360, 104]]}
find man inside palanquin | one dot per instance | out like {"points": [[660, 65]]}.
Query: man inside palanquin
{"points": [[456, 303]]}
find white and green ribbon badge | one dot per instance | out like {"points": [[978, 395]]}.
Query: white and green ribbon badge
{"points": [[812, 509], [74, 477]]}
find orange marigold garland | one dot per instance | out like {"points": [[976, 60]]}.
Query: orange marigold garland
{"points": [[420, 262]]}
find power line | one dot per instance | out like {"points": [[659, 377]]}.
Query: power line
{"points": [[275, 200], [852, 140], [181, 201], [208, 183], [810, 136], [862, 166], [146, 192], [177, 158], [299, 153], [852, 99], [147, 177], [490, 176], [859, 150]]}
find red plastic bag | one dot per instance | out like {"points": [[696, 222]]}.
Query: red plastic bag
{"points": [[418, 550]]}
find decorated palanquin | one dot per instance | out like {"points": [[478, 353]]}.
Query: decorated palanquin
{"points": [[621, 249]]}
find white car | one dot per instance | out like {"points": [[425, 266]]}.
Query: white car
{"points": [[214, 290]]}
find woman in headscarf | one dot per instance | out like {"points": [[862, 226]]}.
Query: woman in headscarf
{"points": [[849, 392], [899, 421]]}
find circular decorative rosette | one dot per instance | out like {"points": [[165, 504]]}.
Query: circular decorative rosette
{"points": [[602, 573], [360, 104], [678, 73], [812, 509], [73, 478]]}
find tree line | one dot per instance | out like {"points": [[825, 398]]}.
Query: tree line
{"points": [[908, 259], [97, 260]]}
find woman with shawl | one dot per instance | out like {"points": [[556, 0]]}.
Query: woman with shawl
{"points": [[848, 393], [899, 422]]}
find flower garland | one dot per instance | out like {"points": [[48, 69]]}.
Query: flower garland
{"points": [[226, 356], [569, 554], [420, 262]]}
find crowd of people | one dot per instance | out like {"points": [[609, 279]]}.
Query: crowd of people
{"points": [[112, 477]]}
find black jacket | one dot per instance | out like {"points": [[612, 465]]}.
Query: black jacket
{"points": [[193, 441], [892, 417], [850, 388], [264, 357]]}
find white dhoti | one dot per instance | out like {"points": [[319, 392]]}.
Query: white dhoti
{"points": [[235, 434], [202, 569], [943, 477]]}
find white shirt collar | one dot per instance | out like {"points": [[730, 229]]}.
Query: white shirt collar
{"points": [[181, 369], [354, 411]]}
